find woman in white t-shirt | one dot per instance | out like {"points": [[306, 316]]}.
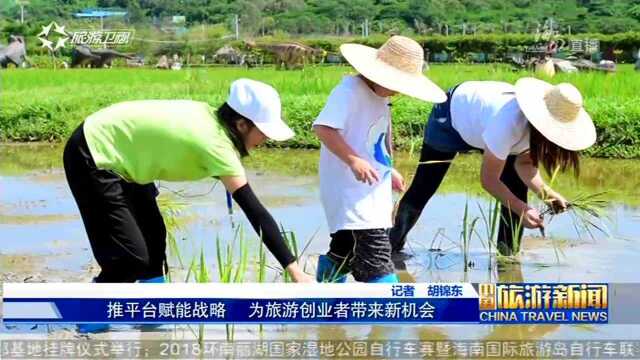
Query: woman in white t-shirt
{"points": [[518, 128]]}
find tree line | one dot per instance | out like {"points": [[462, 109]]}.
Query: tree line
{"points": [[353, 17]]}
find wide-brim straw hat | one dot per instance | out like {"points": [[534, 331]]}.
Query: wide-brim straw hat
{"points": [[557, 112], [397, 66]]}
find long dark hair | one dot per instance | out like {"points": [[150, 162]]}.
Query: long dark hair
{"points": [[550, 155], [229, 119]]}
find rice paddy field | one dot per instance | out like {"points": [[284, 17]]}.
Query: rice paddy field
{"points": [[46, 105], [42, 237]]}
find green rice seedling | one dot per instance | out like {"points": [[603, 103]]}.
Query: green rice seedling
{"points": [[468, 229], [191, 270], [262, 264], [200, 273], [516, 227], [304, 250], [262, 271], [202, 277], [557, 250], [292, 243], [491, 221], [170, 209], [515, 234], [340, 271], [230, 269]]}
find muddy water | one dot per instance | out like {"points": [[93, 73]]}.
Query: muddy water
{"points": [[42, 238]]}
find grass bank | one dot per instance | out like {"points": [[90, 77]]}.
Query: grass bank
{"points": [[46, 105]]}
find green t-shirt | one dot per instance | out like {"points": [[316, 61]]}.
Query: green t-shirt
{"points": [[173, 140]]}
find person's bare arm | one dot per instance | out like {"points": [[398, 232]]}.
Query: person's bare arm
{"points": [[491, 170], [233, 183], [530, 175], [331, 138]]}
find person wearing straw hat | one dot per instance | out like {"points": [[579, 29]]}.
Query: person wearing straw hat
{"points": [[112, 160], [356, 171], [519, 129]]}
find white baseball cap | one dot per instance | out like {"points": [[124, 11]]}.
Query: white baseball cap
{"points": [[260, 103]]}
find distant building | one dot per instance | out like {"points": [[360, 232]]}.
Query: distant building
{"points": [[99, 13], [172, 24]]}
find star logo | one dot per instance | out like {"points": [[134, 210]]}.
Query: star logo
{"points": [[58, 30]]}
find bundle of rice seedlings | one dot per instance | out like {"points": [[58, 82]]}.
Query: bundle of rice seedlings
{"points": [[588, 212]]}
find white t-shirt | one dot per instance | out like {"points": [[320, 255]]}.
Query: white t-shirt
{"points": [[486, 114], [363, 119]]}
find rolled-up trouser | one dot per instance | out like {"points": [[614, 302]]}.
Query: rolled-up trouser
{"points": [[122, 219], [364, 253]]}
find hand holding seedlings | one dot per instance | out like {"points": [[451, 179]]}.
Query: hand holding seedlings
{"points": [[397, 181], [556, 203], [532, 219], [363, 171]]}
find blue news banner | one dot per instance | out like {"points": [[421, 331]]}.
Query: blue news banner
{"points": [[352, 303]]}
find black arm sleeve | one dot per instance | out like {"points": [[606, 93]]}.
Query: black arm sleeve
{"points": [[264, 224]]}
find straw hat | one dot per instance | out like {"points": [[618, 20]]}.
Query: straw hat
{"points": [[397, 66], [556, 111]]}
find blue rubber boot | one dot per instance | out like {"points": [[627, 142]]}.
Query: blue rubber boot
{"points": [[155, 280], [328, 271], [389, 278], [93, 328]]}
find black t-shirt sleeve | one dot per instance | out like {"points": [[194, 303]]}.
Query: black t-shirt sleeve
{"points": [[264, 224]]}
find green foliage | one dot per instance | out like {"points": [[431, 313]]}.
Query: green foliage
{"points": [[344, 17]]}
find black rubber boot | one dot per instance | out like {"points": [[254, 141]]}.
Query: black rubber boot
{"points": [[406, 218]]}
